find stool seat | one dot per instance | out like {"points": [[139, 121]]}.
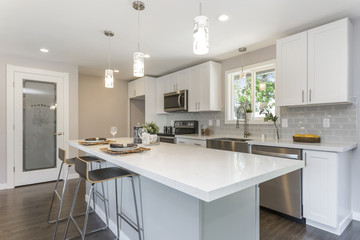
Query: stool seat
{"points": [[71, 161], [105, 174]]}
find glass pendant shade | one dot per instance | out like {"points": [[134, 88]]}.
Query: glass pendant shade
{"points": [[138, 64], [201, 35], [242, 75], [109, 78], [262, 86]]}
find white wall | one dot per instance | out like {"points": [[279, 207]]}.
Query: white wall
{"points": [[45, 65], [355, 161]]}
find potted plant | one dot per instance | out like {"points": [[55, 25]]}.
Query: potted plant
{"points": [[249, 114], [152, 128], [264, 109]]}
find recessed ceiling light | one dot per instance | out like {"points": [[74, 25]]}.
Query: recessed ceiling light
{"points": [[223, 18], [115, 70], [146, 56], [44, 50]]}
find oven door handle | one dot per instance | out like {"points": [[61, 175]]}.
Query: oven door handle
{"points": [[282, 155]]}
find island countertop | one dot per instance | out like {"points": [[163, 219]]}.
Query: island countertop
{"points": [[206, 174]]}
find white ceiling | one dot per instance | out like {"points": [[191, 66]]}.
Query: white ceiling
{"points": [[73, 29]]}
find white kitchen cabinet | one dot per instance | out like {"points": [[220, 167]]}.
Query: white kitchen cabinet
{"points": [[328, 66], [205, 87], [193, 142], [313, 66], [326, 190], [136, 88], [291, 70], [148, 86], [161, 88]]}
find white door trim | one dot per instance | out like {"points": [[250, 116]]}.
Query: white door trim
{"points": [[10, 121]]}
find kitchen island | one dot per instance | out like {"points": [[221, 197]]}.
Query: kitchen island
{"points": [[192, 193]]}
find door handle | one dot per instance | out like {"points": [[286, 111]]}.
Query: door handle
{"points": [[58, 133], [303, 96]]}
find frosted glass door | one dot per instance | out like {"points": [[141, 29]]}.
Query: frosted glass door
{"points": [[38, 128], [39, 125]]}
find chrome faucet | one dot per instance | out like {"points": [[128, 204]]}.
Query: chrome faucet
{"points": [[246, 131]]}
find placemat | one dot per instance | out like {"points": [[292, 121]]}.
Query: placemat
{"points": [[138, 150], [96, 143]]}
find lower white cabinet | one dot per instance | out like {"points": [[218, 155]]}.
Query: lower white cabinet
{"points": [[326, 190], [194, 142]]}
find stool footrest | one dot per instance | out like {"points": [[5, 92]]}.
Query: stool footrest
{"points": [[129, 221], [66, 218]]}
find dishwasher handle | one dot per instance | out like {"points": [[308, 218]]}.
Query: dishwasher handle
{"points": [[272, 154]]}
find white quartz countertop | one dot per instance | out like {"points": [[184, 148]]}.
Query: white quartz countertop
{"points": [[328, 147], [206, 174]]}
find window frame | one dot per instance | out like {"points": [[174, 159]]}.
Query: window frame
{"points": [[229, 90]]}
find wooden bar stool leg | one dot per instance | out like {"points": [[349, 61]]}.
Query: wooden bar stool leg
{"points": [[61, 200], [53, 197], [72, 209]]}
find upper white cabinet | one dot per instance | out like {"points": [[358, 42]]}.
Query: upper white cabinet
{"points": [[291, 70], [203, 83], [313, 66], [326, 190], [136, 88], [205, 87]]}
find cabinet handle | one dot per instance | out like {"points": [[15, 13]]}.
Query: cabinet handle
{"points": [[181, 142], [197, 144], [303, 96], [199, 105], [134, 92], [309, 95], [305, 160]]}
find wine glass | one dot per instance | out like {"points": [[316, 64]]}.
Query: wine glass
{"points": [[141, 132], [113, 131]]}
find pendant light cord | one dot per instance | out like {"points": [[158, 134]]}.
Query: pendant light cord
{"points": [[109, 51], [139, 29], [200, 7]]}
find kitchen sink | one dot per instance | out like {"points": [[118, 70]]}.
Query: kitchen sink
{"points": [[229, 144]]}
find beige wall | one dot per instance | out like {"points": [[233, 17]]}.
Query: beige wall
{"points": [[100, 107], [45, 65]]}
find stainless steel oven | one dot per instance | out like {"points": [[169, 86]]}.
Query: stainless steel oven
{"points": [[176, 101]]}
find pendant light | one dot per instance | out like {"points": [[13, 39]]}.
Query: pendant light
{"points": [[201, 34], [242, 74], [138, 56], [109, 74]]}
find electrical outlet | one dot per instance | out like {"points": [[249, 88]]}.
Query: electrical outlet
{"points": [[210, 122], [218, 122], [284, 123], [326, 122]]}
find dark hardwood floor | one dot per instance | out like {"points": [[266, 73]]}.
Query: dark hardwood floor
{"points": [[23, 213]]}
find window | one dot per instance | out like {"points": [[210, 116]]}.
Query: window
{"points": [[257, 87]]}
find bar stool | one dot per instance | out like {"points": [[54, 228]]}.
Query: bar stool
{"points": [[100, 176], [68, 162]]}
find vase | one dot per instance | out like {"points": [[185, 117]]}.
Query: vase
{"points": [[276, 132]]}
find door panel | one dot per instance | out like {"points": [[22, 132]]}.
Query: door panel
{"points": [[39, 117]]}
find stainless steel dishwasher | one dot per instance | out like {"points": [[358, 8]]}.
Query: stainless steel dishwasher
{"points": [[283, 194]]}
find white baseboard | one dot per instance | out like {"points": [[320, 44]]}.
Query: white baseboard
{"points": [[356, 216], [4, 186], [112, 224], [338, 231]]}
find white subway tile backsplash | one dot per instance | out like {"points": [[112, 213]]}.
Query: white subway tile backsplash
{"points": [[301, 120]]}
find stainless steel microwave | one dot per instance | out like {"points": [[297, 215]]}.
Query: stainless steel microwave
{"points": [[176, 101]]}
